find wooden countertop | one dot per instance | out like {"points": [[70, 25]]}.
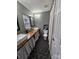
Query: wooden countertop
{"points": [[21, 42]]}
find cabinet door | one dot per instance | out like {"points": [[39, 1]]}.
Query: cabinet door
{"points": [[27, 48], [22, 53], [32, 43], [36, 36]]}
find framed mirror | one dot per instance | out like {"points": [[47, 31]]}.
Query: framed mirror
{"points": [[27, 22]]}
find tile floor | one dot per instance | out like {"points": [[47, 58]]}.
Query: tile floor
{"points": [[41, 50]]}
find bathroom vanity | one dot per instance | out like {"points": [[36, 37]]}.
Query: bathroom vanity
{"points": [[26, 43]]}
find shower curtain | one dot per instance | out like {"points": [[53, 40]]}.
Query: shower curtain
{"points": [[55, 30]]}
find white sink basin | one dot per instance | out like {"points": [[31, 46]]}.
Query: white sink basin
{"points": [[21, 36], [35, 28]]}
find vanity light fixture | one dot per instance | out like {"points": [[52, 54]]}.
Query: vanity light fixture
{"points": [[37, 15]]}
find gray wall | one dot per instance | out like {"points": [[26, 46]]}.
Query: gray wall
{"points": [[43, 19], [21, 10]]}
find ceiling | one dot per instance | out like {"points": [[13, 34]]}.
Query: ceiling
{"points": [[37, 6]]}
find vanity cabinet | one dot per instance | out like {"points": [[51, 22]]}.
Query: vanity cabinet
{"points": [[25, 46], [25, 51]]}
